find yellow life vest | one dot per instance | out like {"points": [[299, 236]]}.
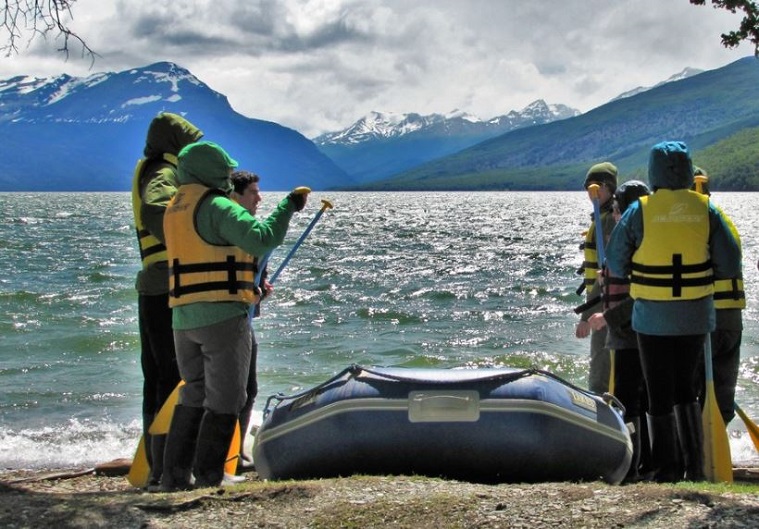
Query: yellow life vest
{"points": [[729, 293], [590, 257], [200, 271], [673, 263], [151, 249], [590, 252]]}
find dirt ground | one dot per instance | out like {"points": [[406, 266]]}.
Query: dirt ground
{"points": [[86, 499]]}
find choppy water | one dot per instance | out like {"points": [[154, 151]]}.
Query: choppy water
{"points": [[394, 279]]}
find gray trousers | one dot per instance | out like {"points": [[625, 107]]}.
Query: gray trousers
{"points": [[214, 362]]}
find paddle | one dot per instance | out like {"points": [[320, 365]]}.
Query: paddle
{"points": [[753, 429], [593, 192], [139, 471], [718, 464], [265, 259], [326, 204]]}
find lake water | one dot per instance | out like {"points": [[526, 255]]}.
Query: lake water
{"points": [[393, 279]]}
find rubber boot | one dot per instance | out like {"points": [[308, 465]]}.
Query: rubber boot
{"points": [[691, 433], [665, 452], [646, 467], [147, 420], [246, 453], [157, 447], [214, 438], [633, 474], [180, 448]]}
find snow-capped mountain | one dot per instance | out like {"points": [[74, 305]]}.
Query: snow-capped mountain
{"points": [[687, 72], [68, 133], [384, 125], [382, 144]]}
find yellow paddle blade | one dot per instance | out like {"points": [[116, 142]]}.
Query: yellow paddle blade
{"points": [[611, 371], [718, 464], [753, 429], [162, 421], [230, 467], [140, 470]]}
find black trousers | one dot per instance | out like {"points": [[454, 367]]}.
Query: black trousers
{"points": [[158, 357], [629, 386], [669, 367]]}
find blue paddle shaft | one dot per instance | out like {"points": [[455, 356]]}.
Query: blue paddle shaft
{"points": [[708, 368], [599, 233], [297, 244]]}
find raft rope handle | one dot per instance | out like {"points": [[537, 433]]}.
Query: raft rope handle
{"points": [[613, 401]]}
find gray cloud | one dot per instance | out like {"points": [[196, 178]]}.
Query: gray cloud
{"points": [[318, 65]]}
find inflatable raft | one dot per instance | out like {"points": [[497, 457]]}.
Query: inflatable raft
{"points": [[503, 425]]}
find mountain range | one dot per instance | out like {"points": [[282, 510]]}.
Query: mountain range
{"points": [[382, 144], [715, 112], [85, 134], [68, 133]]}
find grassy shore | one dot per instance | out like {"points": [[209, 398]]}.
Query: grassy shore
{"points": [[88, 499]]}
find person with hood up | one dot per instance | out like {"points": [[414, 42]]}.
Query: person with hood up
{"points": [[154, 184], [212, 244], [622, 341], [673, 245], [605, 176]]}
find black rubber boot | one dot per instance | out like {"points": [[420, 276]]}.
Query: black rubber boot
{"points": [[157, 446], [214, 438], [665, 452], [147, 420], [633, 474], [246, 453], [646, 466], [180, 448], [691, 433]]}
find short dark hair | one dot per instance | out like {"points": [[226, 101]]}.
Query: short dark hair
{"points": [[242, 179]]}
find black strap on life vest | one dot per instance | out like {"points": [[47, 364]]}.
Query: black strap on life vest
{"points": [[618, 296], [676, 270], [735, 292], [231, 266], [588, 304]]}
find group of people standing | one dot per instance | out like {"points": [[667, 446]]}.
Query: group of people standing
{"points": [[672, 258], [200, 245], [671, 280]]}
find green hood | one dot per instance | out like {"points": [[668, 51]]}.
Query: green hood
{"points": [[205, 163], [168, 133]]}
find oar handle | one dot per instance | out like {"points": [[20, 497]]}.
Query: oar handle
{"points": [[593, 190], [326, 204]]}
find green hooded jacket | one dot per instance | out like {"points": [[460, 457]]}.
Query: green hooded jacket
{"points": [[168, 134], [219, 220]]}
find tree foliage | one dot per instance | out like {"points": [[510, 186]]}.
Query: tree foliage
{"points": [[749, 27], [24, 20]]}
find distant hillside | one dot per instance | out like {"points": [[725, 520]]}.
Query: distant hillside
{"points": [[733, 163], [701, 110], [85, 134], [382, 144]]}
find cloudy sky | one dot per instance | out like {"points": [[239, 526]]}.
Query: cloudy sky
{"points": [[319, 65]]}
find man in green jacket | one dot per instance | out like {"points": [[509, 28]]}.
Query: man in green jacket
{"points": [[212, 244], [154, 184]]}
